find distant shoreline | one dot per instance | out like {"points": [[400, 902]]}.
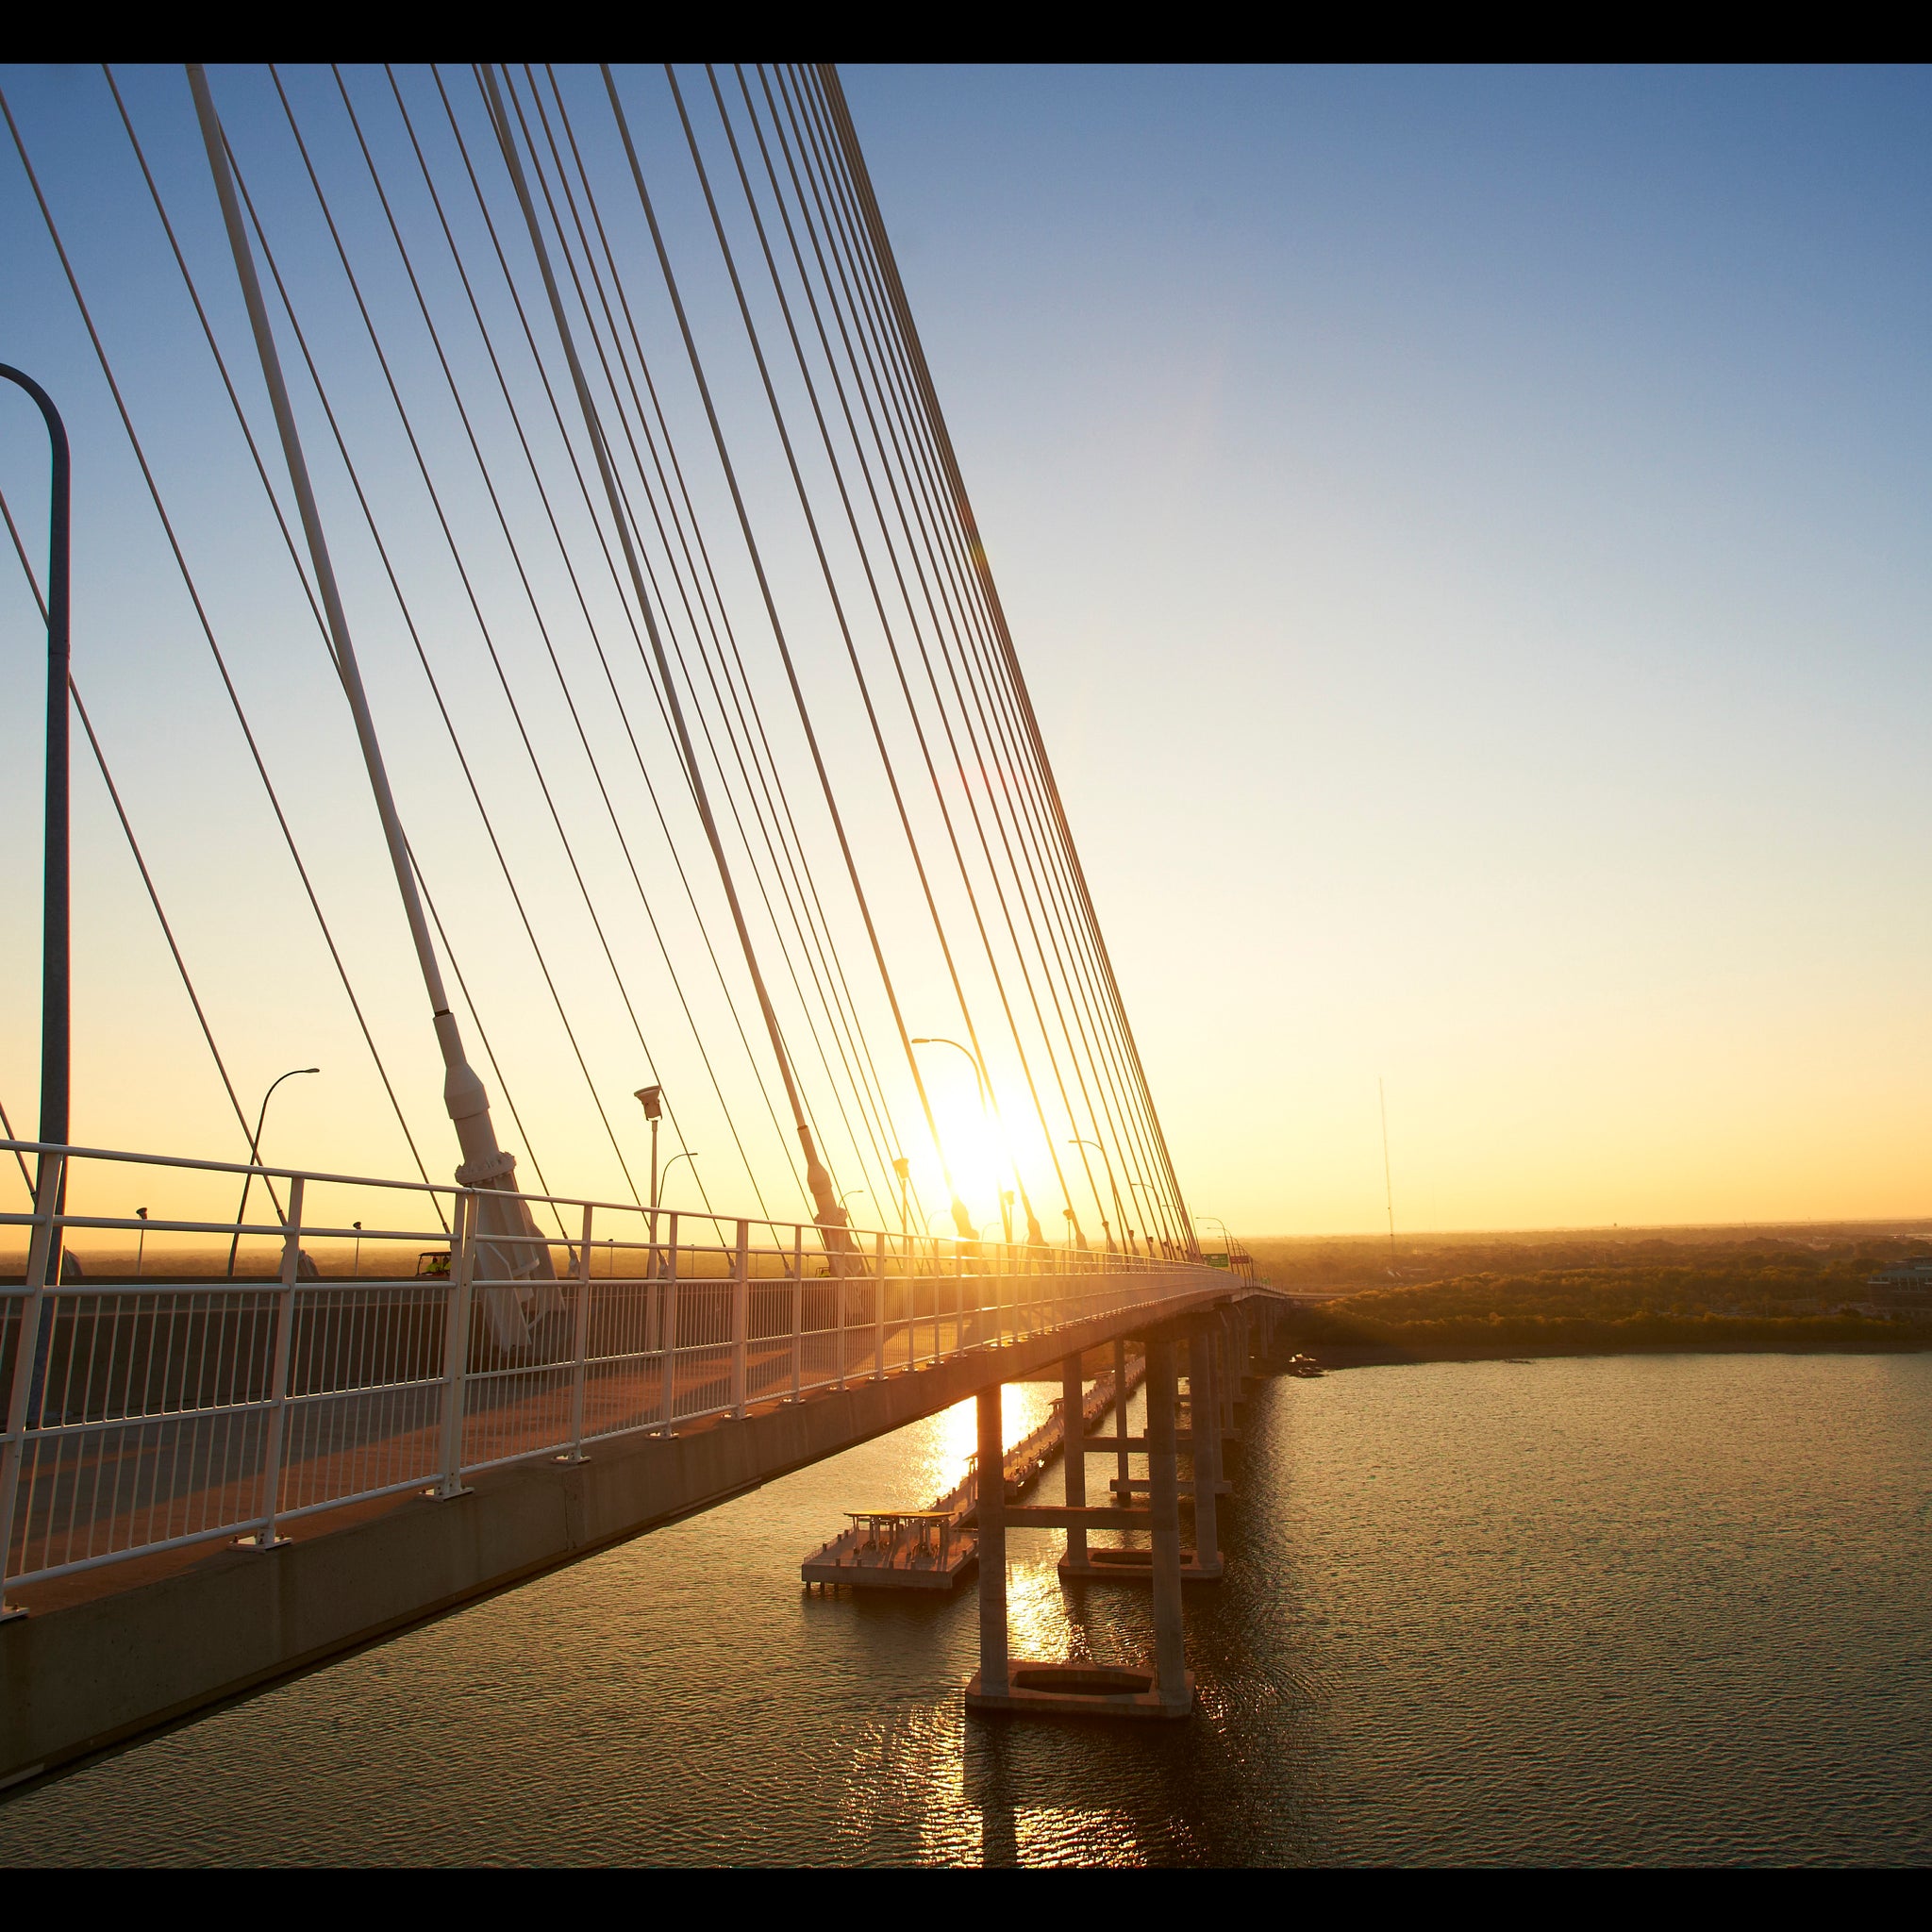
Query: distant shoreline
{"points": [[1338, 1356]]}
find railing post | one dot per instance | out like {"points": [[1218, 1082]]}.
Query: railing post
{"points": [[741, 1318], [44, 1239], [909, 1300], [265, 1538], [456, 1344], [878, 1313], [797, 1304], [581, 1345], [667, 1303]]}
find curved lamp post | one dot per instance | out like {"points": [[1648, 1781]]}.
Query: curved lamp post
{"points": [[961, 1218], [1226, 1234], [689, 1154], [255, 1158], [56, 987], [1113, 1185], [1154, 1213]]}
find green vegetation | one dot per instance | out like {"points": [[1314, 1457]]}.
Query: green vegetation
{"points": [[1590, 1295]]}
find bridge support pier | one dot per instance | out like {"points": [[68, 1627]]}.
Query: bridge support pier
{"points": [[992, 1683], [1073, 1456], [1027, 1688], [1175, 1686], [1206, 1446]]}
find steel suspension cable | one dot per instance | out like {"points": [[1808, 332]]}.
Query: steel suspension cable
{"points": [[616, 577], [415, 637], [831, 1214], [771, 611], [844, 1011], [207, 632], [301, 576], [630, 862], [963, 763], [885, 621], [134, 847], [829, 85], [927, 413], [778, 850]]}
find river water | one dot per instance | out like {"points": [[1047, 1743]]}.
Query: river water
{"points": [[1643, 1609]]}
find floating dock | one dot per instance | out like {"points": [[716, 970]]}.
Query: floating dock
{"points": [[936, 1548]]}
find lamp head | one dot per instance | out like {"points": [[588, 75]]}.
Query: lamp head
{"points": [[652, 1098], [902, 1167]]}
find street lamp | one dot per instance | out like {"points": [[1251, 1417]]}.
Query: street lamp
{"points": [[961, 1220], [903, 1168], [55, 957], [1226, 1235], [1006, 1198], [850, 1192], [141, 1244], [255, 1159], [1112, 1184], [652, 1098], [1154, 1215], [689, 1154], [356, 1268]]}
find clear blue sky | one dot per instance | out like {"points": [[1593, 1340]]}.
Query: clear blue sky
{"points": [[1466, 534]]}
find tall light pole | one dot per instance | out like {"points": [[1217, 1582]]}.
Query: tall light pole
{"points": [[517, 1253], [255, 1158], [56, 983], [652, 1098], [903, 1168], [689, 1154], [141, 1244], [1225, 1236], [1113, 1185], [1154, 1214], [961, 1220], [850, 1192], [1388, 1180]]}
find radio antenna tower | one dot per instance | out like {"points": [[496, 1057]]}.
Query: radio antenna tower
{"points": [[1388, 1184]]}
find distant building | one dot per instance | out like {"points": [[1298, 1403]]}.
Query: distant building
{"points": [[1905, 1284]]}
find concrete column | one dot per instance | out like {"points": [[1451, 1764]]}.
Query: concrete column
{"points": [[1120, 1416], [1169, 1648], [992, 1501], [1207, 1438], [1074, 1444], [1229, 1375]]}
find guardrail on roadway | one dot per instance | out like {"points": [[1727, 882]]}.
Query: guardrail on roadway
{"points": [[182, 1406]]}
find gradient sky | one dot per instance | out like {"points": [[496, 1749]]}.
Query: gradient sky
{"points": [[1465, 534]]}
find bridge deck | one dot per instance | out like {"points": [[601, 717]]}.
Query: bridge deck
{"points": [[108, 1654]]}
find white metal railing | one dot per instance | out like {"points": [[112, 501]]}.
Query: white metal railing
{"points": [[182, 1406]]}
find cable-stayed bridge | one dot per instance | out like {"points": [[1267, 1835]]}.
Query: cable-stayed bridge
{"points": [[566, 649]]}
